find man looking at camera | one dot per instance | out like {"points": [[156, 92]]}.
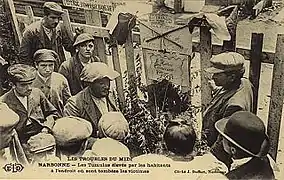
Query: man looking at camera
{"points": [[72, 68], [47, 34], [54, 85]]}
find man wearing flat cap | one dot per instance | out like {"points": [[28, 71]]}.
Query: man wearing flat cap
{"points": [[72, 136], [93, 101], [72, 68], [245, 139], [235, 94], [11, 149], [54, 85], [47, 34], [36, 113]]}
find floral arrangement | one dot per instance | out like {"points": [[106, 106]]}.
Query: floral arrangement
{"points": [[148, 116]]}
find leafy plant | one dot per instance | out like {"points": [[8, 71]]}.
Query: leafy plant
{"points": [[148, 115]]}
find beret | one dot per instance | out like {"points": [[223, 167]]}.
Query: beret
{"points": [[22, 72], [83, 38], [97, 70], [10, 118], [45, 55], [109, 147], [41, 142], [228, 61], [53, 7], [113, 125], [70, 130]]}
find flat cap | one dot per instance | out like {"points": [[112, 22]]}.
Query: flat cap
{"points": [[52, 6], [109, 147], [83, 38], [225, 62], [45, 55], [97, 70], [113, 125], [22, 72], [10, 119], [70, 130], [41, 142]]}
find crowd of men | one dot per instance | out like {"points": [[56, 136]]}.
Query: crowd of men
{"points": [[58, 108]]}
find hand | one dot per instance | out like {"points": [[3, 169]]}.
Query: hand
{"points": [[45, 130]]}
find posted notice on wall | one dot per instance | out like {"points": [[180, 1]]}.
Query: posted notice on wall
{"points": [[170, 66]]}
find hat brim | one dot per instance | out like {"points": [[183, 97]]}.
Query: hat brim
{"points": [[80, 42], [36, 151], [57, 11], [220, 126], [214, 70], [110, 75]]}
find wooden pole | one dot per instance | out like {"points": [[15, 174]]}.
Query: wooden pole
{"points": [[67, 24], [119, 80], [93, 17], [232, 21], [277, 97], [255, 65], [10, 9], [129, 53], [30, 14], [205, 55]]}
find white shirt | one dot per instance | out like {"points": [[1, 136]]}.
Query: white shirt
{"points": [[48, 32], [101, 104], [45, 79], [24, 101], [238, 162]]}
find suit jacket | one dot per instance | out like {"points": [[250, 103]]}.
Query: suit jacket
{"points": [[38, 108], [72, 69], [56, 90], [81, 105], [256, 168], [35, 38]]}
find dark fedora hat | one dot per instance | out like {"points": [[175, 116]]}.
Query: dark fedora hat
{"points": [[246, 131]]}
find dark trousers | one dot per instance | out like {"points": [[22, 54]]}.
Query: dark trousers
{"points": [[29, 130]]}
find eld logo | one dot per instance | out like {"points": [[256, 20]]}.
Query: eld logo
{"points": [[13, 167]]}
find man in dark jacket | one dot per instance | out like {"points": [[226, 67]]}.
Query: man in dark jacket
{"points": [[234, 94], [72, 68], [93, 101], [245, 139], [47, 34], [36, 113]]}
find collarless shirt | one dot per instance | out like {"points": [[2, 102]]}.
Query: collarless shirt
{"points": [[44, 79], [48, 32], [23, 100], [101, 104], [239, 162]]}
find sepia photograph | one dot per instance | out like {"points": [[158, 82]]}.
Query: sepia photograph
{"points": [[142, 89]]}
